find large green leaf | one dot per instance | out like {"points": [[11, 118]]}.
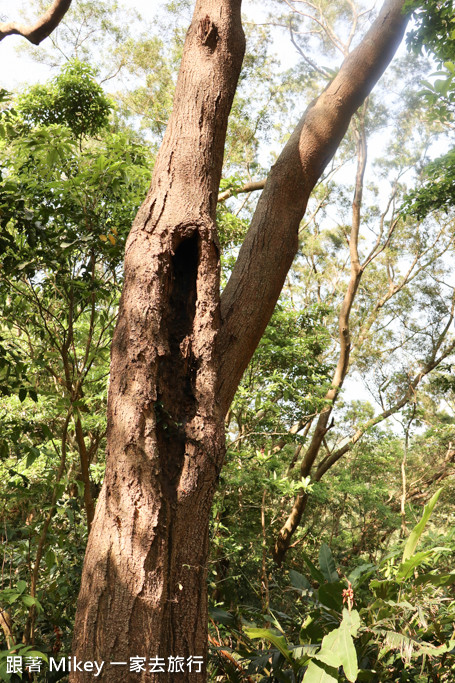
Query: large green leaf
{"points": [[299, 581], [331, 595], [361, 573], [416, 533], [338, 647], [405, 569], [316, 575], [436, 579], [316, 674], [327, 564], [266, 634]]}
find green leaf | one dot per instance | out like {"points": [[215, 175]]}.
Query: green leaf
{"points": [[405, 568], [217, 614], [266, 634], [21, 586], [361, 573], [12, 597], [49, 558], [416, 533], [319, 674], [351, 619], [436, 579], [338, 647], [316, 575], [327, 564], [37, 653], [31, 457], [6, 678], [312, 630], [22, 394], [299, 581], [28, 600], [331, 595]]}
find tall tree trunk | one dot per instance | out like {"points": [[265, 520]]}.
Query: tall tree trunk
{"points": [[144, 579], [176, 363]]}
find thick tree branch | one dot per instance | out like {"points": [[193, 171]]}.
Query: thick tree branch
{"points": [[36, 33], [271, 244]]}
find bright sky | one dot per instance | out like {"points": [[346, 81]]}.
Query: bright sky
{"points": [[21, 69], [17, 67]]}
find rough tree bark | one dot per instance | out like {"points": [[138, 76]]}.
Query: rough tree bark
{"points": [[37, 32], [143, 587], [176, 362]]}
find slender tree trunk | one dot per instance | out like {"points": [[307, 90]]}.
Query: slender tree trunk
{"points": [[404, 484], [322, 426], [144, 579], [85, 472]]}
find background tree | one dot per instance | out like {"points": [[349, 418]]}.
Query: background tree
{"points": [[69, 189]]}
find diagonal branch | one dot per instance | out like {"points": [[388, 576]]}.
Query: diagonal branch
{"points": [[37, 32], [329, 461], [271, 244]]}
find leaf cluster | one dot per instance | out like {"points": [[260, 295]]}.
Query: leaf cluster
{"points": [[72, 99]]}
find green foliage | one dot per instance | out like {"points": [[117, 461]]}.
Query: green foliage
{"points": [[414, 537], [72, 99], [287, 376], [433, 27], [434, 31], [438, 190], [401, 628], [67, 201]]}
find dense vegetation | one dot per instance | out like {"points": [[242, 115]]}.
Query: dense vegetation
{"points": [[363, 589]]}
